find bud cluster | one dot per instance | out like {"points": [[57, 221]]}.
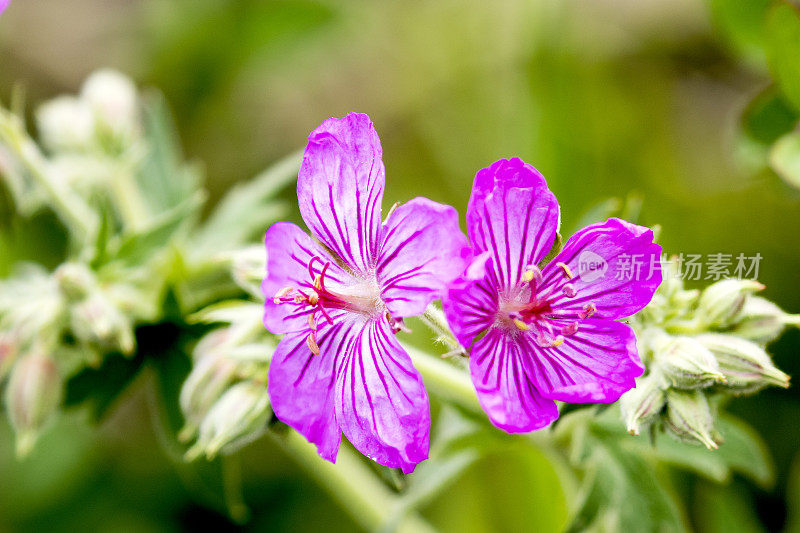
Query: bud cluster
{"points": [[699, 347], [224, 399]]}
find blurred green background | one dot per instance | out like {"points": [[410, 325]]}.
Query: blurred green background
{"points": [[605, 97]]}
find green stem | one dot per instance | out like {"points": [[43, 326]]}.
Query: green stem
{"points": [[73, 211], [352, 483], [434, 318], [444, 379], [232, 487], [128, 199]]}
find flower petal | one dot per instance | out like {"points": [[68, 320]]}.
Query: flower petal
{"points": [[301, 385], [513, 214], [381, 404], [289, 251], [423, 250], [340, 188], [470, 304], [598, 257], [501, 372], [598, 363]]}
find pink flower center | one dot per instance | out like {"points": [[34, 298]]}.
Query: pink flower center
{"points": [[362, 297], [530, 310]]}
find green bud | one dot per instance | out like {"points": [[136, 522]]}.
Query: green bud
{"points": [[689, 417], [96, 321], [642, 404], [75, 281], [745, 365], [248, 268], [236, 417], [761, 321], [66, 123], [687, 364], [32, 397], [721, 303], [210, 376]]}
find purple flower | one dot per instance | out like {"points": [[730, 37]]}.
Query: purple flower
{"points": [[4, 5], [534, 335], [341, 295]]}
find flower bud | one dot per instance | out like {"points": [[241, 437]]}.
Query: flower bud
{"points": [[761, 321], [240, 413], [113, 98], [643, 403], [746, 366], [721, 303], [97, 321], [249, 266], [66, 123], [8, 352], [687, 364], [689, 417], [32, 397], [209, 378], [75, 280]]}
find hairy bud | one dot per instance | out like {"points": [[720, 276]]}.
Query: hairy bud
{"points": [[687, 364], [642, 404], [32, 397], [689, 417], [113, 98], [97, 321], [66, 123], [761, 321], [237, 415], [75, 280], [207, 381], [745, 365], [721, 303]]}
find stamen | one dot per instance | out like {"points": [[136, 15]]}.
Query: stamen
{"points": [[558, 342], [313, 298], [311, 342], [520, 324], [311, 323], [569, 290], [588, 310], [532, 273], [570, 329], [281, 294], [566, 269]]}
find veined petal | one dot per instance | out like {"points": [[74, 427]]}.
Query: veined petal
{"points": [[513, 214], [470, 304], [301, 385], [501, 372], [614, 265], [597, 363], [289, 252], [340, 188], [381, 404], [423, 250]]}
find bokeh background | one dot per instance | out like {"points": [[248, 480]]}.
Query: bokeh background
{"points": [[607, 98]]}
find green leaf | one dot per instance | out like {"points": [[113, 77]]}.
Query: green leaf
{"points": [[164, 179], [783, 48], [140, 245], [558, 243], [742, 23], [720, 509], [784, 158], [100, 387], [744, 450], [768, 116], [247, 210]]}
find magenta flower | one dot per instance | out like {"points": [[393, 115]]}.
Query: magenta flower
{"points": [[536, 336], [4, 5], [341, 295]]}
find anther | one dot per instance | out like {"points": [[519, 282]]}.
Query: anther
{"points": [[313, 298], [311, 342], [588, 310], [569, 290], [311, 323], [566, 269], [281, 293], [520, 324], [570, 329], [558, 342]]}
